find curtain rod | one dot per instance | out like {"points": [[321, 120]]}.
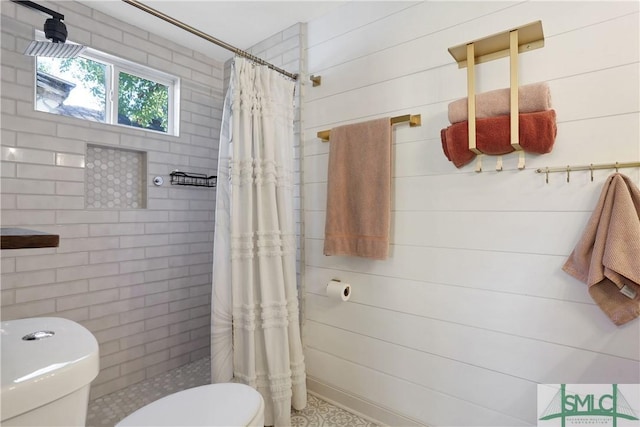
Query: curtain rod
{"points": [[207, 37]]}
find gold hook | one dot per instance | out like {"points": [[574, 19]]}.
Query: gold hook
{"points": [[568, 172], [616, 167], [591, 169], [547, 175]]}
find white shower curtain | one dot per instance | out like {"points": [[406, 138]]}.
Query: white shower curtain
{"points": [[255, 331]]}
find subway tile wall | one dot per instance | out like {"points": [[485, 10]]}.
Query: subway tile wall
{"points": [[139, 279]]}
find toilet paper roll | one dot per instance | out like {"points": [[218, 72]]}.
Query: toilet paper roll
{"points": [[338, 290]]}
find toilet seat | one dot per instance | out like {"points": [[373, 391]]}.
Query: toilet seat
{"points": [[227, 404]]}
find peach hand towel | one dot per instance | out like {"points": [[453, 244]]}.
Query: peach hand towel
{"points": [[532, 97], [607, 256], [359, 190], [537, 132]]}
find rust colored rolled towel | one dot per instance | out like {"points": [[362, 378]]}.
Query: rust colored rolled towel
{"points": [[537, 132]]}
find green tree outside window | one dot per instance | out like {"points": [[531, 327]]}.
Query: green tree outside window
{"points": [[141, 102]]}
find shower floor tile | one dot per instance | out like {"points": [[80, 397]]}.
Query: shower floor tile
{"points": [[107, 410]]}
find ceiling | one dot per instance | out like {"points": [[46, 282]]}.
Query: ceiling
{"points": [[239, 23]]}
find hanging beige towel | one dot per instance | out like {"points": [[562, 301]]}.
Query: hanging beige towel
{"points": [[359, 190], [607, 257]]}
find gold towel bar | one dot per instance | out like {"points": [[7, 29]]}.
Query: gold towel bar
{"points": [[413, 119]]}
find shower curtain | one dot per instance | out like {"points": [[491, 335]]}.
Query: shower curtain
{"points": [[255, 331]]}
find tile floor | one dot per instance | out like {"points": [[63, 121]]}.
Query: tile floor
{"points": [[109, 409]]}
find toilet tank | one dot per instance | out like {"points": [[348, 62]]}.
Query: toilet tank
{"points": [[47, 365]]}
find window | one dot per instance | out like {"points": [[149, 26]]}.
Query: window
{"points": [[100, 87]]}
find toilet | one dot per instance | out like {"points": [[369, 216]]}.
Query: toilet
{"points": [[47, 366], [227, 404]]}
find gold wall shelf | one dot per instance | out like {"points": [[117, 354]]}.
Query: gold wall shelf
{"points": [[530, 37], [506, 43]]}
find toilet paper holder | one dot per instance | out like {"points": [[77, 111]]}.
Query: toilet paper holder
{"points": [[336, 289], [346, 291]]}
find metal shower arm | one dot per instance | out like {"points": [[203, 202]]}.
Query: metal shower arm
{"points": [[36, 6]]}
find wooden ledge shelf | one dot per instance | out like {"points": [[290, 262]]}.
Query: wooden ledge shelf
{"points": [[22, 238], [530, 37]]}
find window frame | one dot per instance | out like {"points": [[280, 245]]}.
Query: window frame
{"points": [[115, 65]]}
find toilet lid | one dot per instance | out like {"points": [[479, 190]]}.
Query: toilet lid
{"points": [[227, 404]]}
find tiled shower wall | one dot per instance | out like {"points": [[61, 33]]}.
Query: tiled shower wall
{"points": [[139, 279]]}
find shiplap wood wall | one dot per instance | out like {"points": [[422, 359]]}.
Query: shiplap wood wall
{"points": [[472, 309]]}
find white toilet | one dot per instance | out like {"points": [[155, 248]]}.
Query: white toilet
{"points": [[47, 365], [227, 404]]}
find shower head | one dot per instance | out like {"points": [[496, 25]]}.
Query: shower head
{"points": [[55, 30], [53, 49]]}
